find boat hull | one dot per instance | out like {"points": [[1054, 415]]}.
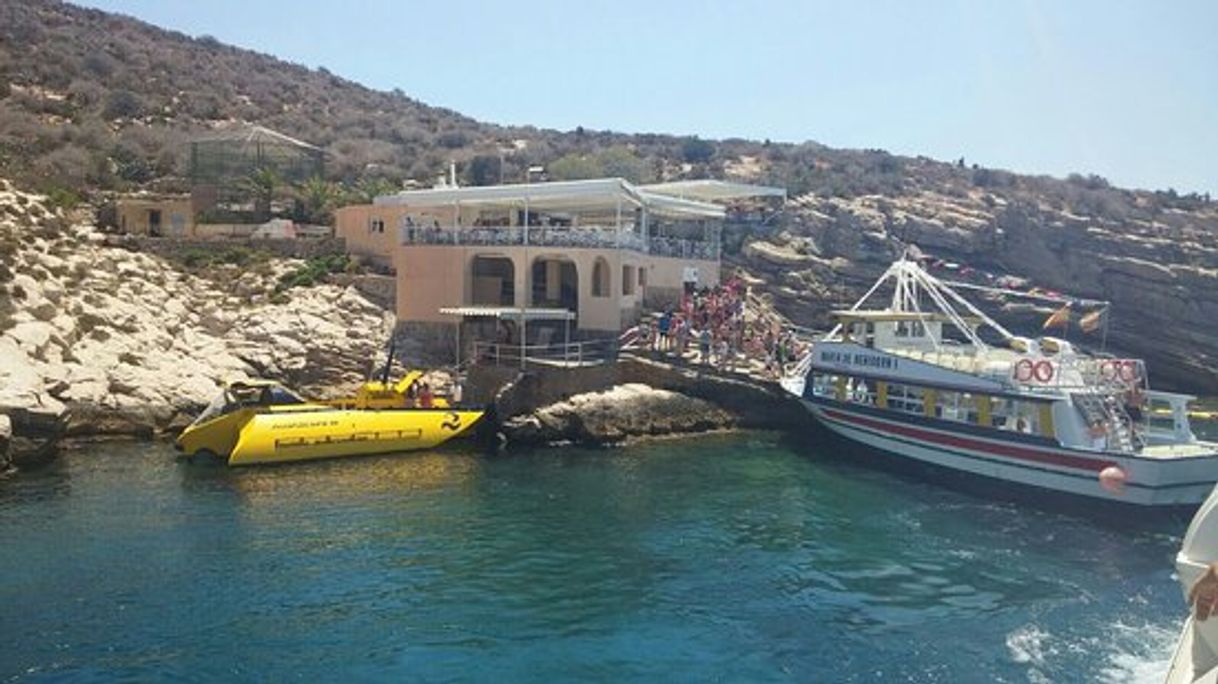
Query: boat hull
{"points": [[301, 436], [1024, 460]]}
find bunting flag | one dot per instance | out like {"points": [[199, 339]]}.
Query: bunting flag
{"points": [[1059, 318], [1091, 322]]}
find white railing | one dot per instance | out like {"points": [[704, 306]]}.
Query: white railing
{"points": [[587, 352], [600, 237]]}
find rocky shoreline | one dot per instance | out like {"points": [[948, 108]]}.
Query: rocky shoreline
{"points": [[620, 414], [96, 339]]}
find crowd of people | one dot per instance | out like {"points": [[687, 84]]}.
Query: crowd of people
{"points": [[710, 327]]}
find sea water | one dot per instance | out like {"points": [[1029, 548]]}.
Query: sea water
{"points": [[732, 558]]}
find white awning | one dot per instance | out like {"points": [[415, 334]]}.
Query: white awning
{"points": [[511, 313], [580, 195], [712, 190]]}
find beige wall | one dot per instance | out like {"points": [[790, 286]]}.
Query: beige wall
{"points": [[354, 224], [177, 216], [430, 277]]}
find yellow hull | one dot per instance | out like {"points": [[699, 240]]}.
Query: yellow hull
{"points": [[300, 436], [310, 431]]}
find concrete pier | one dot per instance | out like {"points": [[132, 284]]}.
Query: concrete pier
{"points": [[756, 403]]}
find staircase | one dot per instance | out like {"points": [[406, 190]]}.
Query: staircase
{"points": [[1104, 410]]}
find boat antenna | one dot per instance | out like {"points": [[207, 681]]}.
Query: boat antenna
{"points": [[389, 361]]}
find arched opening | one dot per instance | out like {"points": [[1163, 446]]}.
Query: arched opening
{"points": [[555, 284], [600, 278], [627, 279], [494, 281]]}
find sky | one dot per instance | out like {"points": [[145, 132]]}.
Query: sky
{"points": [[1127, 90]]}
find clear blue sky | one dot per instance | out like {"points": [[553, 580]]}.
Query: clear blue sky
{"points": [[1123, 89]]}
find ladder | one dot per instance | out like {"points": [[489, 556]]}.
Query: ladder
{"points": [[1102, 409]]}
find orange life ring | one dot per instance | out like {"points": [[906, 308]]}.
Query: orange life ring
{"points": [[1128, 370], [1021, 366], [1043, 371]]}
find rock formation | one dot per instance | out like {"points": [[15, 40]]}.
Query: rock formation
{"points": [[1158, 267], [616, 415], [98, 339]]}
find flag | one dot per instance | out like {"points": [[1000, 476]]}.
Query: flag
{"points": [[1091, 322], [1059, 318]]}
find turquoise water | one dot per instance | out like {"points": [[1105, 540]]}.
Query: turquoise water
{"points": [[730, 558]]}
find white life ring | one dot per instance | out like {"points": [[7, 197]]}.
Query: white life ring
{"points": [[1043, 371]]}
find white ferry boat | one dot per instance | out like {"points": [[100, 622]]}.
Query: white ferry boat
{"points": [[932, 378]]}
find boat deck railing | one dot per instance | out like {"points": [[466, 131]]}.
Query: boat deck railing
{"points": [[1061, 373]]}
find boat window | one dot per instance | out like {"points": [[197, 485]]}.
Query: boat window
{"points": [[282, 396], [859, 391], [956, 406], [1015, 415], [215, 409], [905, 398], [824, 385]]}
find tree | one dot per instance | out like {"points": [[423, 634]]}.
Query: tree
{"points": [[575, 167], [615, 162], [368, 189], [123, 104], [317, 199], [485, 169], [695, 150], [619, 162], [262, 184]]}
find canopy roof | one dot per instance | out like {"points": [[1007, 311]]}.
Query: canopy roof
{"points": [[254, 135], [509, 312], [713, 190], [581, 195]]}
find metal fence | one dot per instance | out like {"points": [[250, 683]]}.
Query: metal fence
{"points": [[559, 354]]}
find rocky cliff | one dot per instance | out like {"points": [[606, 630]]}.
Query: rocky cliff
{"points": [[95, 338], [1158, 266]]}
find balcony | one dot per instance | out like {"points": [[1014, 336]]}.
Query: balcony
{"points": [[596, 237]]}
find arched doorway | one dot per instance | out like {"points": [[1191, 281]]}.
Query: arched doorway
{"points": [[555, 284], [494, 281]]}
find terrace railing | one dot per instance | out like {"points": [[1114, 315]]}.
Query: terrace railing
{"points": [[601, 237]]}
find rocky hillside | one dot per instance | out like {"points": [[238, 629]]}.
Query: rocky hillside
{"points": [[109, 340], [93, 101]]}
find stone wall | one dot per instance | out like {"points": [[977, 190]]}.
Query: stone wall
{"points": [[377, 288], [288, 249]]}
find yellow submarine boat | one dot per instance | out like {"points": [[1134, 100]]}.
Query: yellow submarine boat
{"points": [[262, 422]]}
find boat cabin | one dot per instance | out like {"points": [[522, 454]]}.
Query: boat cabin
{"points": [[248, 394]]}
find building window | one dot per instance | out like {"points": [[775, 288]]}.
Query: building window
{"points": [[642, 276], [376, 226], [600, 278]]}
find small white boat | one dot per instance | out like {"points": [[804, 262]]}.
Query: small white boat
{"points": [[930, 377], [1196, 657]]}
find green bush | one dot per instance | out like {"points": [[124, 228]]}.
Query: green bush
{"points": [[62, 197], [234, 255], [313, 271]]}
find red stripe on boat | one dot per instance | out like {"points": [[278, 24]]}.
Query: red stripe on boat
{"points": [[1007, 450]]}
